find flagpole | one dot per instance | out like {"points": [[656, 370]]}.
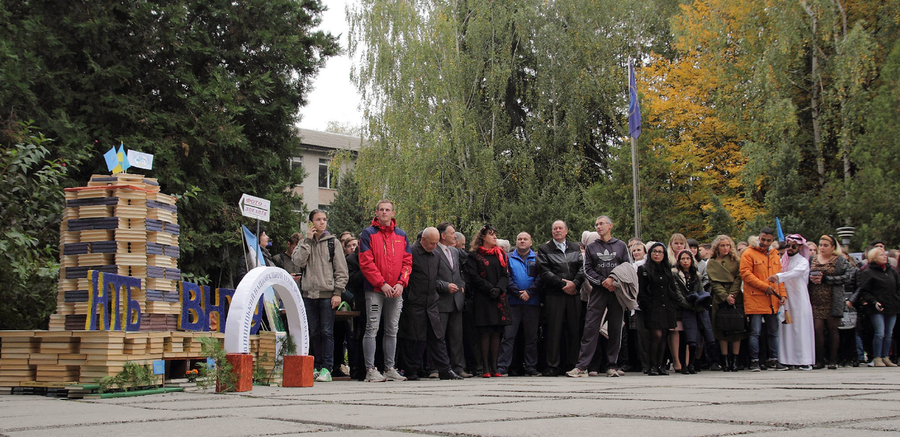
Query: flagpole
{"points": [[635, 183]]}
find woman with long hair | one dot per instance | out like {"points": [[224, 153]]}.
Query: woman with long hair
{"points": [[487, 276], [880, 297], [657, 300], [694, 317], [677, 243], [724, 273], [829, 272]]}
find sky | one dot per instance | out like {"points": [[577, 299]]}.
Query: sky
{"points": [[333, 97]]}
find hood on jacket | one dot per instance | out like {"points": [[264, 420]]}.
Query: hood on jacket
{"points": [[387, 228]]}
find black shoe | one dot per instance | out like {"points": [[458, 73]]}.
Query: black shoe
{"points": [[691, 369], [551, 371], [449, 374], [754, 366], [654, 371], [513, 372], [775, 365], [663, 371], [716, 367], [532, 372], [412, 376]]}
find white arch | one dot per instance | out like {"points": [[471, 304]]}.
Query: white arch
{"points": [[246, 296]]}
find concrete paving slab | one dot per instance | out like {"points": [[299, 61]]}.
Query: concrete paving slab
{"points": [[383, 416], [57, 412], [584, 407], [224, 426], [579, 426], [806, 413], [890, 425], [820, 432]]}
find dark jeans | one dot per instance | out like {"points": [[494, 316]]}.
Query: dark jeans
{"points": [[529, 316], [771, 332], [320, 317]]}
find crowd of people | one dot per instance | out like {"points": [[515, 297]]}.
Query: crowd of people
{"points": [[600, 306]]}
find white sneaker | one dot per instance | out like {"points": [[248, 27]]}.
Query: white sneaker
{"points": [[393, 375], [614, 373], [373, 375], [577, 373]]}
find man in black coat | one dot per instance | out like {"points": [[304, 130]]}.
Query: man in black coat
{"points": [[562, 272], [420, 321]]}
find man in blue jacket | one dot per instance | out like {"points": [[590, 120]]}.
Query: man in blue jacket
{"points": [[524, 305]]}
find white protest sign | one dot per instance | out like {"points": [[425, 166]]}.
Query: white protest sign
{"points": [[255, 207]]}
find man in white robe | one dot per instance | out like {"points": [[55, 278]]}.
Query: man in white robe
{"points": [[797, 345]]}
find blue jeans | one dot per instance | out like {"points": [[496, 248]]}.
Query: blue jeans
{"points": [[320, 317], [883, 325], [771, 332]]}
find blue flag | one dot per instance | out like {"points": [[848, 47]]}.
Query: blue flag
{"points": [[634, 108], [111, 160], [778, 228], [122, 157], [251, 246]]}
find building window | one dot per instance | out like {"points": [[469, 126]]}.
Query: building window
{"points": [[324, 174], [297, 170]]}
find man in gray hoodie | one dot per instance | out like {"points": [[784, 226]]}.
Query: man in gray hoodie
{"points": [[600, 258]]}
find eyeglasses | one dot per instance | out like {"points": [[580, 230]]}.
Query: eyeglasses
{"points": [[658, 252]]}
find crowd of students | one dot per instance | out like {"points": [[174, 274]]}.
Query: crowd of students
{"points": [[598, 306]]}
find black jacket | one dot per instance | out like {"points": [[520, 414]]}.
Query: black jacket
{"points": [[555, 266], [882, 285], [658, 297]]}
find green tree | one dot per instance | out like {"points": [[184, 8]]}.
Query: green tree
{"points": [[874, 204], [494, 111], [211, 88], [31, 205], [349, 211]]}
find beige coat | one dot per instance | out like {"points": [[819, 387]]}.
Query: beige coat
{"points": [[322, 279]]}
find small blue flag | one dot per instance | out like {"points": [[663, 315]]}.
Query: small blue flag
{"points": [[778, 228], [210, 363], [159, 367], [123, 157], [111, 160], [634, 108]]}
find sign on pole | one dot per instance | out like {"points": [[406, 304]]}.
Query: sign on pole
{"points": [[255, 207]]}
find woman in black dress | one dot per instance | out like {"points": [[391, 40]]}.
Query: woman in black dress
{"points": [[657, 300], [487, 277]]}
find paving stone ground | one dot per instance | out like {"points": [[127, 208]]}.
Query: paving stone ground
{"points": [[846, 402]]}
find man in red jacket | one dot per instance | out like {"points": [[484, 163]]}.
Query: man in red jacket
{"points": [[385, 260]]}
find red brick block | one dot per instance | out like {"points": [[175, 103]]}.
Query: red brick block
{"points": [[298, 371], [242, 364]]}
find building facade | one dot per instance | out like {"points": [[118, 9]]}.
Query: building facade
{"points": [[316, 152]]}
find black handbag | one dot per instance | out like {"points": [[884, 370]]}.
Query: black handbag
{"points": [[730, 319]]}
